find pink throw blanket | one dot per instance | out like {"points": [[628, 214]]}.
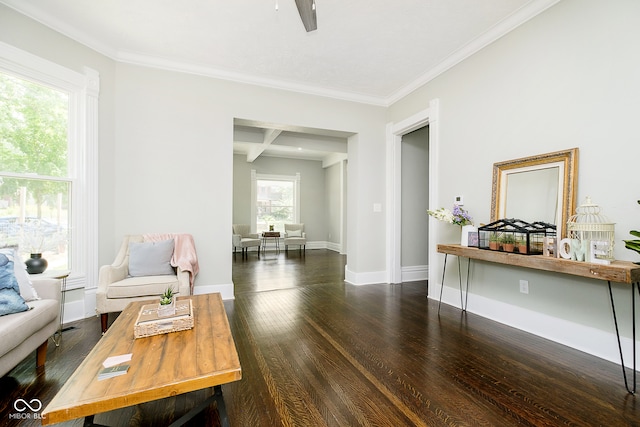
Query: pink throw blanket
{"points": [[184, 252]]}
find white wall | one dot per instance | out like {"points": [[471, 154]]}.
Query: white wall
{"points": [[334, 210], [175, 159], [166, 159], [567, 78]]}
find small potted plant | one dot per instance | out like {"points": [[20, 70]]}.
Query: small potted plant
{"points": [[167, 305], [521, 244], [494, 242], [508, 242]]}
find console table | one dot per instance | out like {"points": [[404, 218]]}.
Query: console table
{"points": [[618, 271]]}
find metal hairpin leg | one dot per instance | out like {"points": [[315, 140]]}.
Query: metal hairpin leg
{"points": [[463, 303], [466, 292], [444, 269], [633, 333]]}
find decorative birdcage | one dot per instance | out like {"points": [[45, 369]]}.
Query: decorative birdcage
{"points": [[515, 235], [590, 226]]}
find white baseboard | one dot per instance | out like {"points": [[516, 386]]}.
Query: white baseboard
{"points": [[335, 247], [367, 278], [593, 341], [415, 273], [226, 290], [75, 310], [89, 302], [316, 244]]}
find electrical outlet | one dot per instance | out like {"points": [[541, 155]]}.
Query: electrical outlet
{"points": [[524, 286]]}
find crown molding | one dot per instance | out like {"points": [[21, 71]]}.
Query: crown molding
{"points": [[60, 26], [206, 71], [510, 23]]}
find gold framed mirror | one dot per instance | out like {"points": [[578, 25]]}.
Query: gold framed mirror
{"points": [[536, 188]]}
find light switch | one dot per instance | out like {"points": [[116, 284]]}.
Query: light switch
{"points": [[377, 207]]}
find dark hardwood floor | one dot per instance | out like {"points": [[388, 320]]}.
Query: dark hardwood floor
{"points": [[318, 352]]}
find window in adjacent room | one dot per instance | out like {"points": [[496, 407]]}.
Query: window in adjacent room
{"points": [[276, 201]]}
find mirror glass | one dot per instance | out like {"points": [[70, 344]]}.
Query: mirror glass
{"points": [[536, 188]]}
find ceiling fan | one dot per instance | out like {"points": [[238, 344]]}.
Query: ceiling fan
{"points": [[307, 11]]}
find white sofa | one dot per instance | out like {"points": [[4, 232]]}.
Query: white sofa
{"points": [[28, 331]]}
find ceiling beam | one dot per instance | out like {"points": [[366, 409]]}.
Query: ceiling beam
{"points": [[269, 136]]}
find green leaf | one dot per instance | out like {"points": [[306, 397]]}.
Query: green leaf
{"points": [[635, 233], [633, 245]]}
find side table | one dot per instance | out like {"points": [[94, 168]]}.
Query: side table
{"points": [[275, 235], [60, 275]]}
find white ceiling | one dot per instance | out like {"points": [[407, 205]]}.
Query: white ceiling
{"points": [[372, 51], [364, 50]]}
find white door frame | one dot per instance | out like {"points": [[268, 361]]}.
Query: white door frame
{"points": [[395, 131]]}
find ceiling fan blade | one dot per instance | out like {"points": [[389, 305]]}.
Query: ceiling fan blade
{"points": [[307, 11]]}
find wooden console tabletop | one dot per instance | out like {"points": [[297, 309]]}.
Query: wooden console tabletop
{"points": [[617, 271]]}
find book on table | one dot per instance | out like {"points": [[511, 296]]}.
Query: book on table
{"points": [[113, 371]]}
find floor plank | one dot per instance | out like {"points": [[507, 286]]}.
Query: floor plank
{"points": [[318, 352]]}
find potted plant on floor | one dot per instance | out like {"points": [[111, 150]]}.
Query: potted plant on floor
{"points": [[167, 306]]}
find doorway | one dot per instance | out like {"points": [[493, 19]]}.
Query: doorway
{"points": [[395, 131], [414, 252], [316, 159]]}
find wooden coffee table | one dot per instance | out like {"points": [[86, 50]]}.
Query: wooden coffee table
{"points": [[162, 365]]}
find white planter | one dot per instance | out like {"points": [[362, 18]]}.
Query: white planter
{"points": [[167, 309], [464, 237]]}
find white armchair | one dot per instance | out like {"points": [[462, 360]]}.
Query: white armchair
{"points": [[294, 235], [117, 288], [244, 239]]}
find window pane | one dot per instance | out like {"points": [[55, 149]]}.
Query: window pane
{"points": [[275, 204], [34, 214], [34, 123]]}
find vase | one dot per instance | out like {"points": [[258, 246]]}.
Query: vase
{"points": [[464, 237], [36, 264]]}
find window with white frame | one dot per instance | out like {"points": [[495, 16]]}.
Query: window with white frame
{"points": [[35, 184], [48, 162], [275, 201]]}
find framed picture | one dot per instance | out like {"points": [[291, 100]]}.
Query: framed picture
{"points": [[473, 238]]}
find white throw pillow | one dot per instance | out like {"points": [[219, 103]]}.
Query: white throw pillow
{"points": [[151, 258], [294, 233], [27, 292]]}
